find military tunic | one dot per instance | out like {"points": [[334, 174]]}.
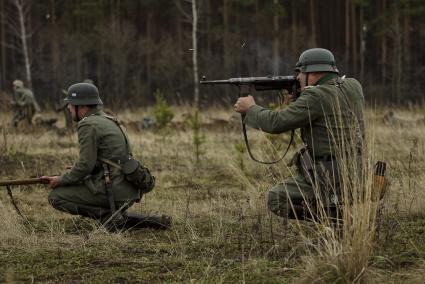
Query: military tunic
{"points": [[330, 117], [82, 189]]}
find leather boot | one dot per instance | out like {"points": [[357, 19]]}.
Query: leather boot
{"points": [[137, 220]]}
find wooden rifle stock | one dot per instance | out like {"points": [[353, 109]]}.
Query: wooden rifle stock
{"points": [[23, 181]]}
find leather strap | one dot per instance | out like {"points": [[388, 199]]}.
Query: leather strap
{"points": [[111, 163]]}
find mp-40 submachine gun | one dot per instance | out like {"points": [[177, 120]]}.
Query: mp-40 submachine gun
{"points": [[267, 83]]}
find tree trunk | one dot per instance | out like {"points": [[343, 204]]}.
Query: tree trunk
{"points": [[354, 39], [294, 35], [208, 24], [23, 38], [55, 49], [23, 35], [276, 31], [312, 24], [257, 39], [347, 36], [226, 37], [148, 49], [384, 50], [195, 54], [397, 67], [362, 42], [3, 47], [406, 41]]}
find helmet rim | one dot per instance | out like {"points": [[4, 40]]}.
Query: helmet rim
{"points": [[83, 94]]}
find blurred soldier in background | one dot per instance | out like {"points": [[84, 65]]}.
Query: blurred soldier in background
{"points": [[329, 113], [23, 103], [92, 187]]}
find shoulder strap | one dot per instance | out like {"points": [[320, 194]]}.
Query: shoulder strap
{"points": [[110, 117]]}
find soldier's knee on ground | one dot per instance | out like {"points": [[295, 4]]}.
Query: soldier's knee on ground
{"points": [[55, 200], [277, 201]]}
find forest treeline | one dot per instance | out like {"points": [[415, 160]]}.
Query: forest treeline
{"points": [[132, 48]]}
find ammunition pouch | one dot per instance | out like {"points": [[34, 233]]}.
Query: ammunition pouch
{"points": [[138, 175]]}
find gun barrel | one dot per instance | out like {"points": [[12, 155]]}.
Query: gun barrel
{"points": [[22, 181], [261, 83], [216, 82]]}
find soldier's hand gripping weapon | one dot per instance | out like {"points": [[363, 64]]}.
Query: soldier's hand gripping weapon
{"points": [[267, 83]]}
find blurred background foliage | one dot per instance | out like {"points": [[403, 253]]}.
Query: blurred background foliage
{"points": [[131, 48]]}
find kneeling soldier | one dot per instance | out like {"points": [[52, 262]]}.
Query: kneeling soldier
{"points": [[329, 113], [93, 188]]}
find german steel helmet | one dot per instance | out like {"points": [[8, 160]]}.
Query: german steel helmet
{"points": [[316, 60], [83, 94]]}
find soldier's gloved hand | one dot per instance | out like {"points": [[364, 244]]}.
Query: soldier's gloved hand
{"points": [[53, 181], [243, 104]]}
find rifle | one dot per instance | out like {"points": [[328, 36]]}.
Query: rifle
{"points": [[267, 83], [8, 183], [23, 181]]}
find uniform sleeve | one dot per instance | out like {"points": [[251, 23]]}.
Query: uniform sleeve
{"points": [[27, 98], [20, 98], [88, 140], [304, 110]]}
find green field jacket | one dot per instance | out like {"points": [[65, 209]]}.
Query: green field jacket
{"points": [[100, 137], [330, 116]]}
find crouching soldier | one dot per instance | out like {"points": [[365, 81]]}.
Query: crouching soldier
{"points": [[106, 180]]}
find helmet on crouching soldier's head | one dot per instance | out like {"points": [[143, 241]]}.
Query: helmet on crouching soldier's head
{"points": [[316, 60], [83, 94]]}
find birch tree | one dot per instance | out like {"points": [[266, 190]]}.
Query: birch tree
{"points": [[276, 31], [18, 23], [195, 53], [194, 20]]}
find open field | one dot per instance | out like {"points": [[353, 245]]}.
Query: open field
{"points": [[222, 229]]}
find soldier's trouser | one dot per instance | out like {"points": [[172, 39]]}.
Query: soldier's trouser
{"points": [[29, 112], [17, 116], [291, 199], [79, 200]]}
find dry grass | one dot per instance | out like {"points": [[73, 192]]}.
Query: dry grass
{"points": [[223, 231]]}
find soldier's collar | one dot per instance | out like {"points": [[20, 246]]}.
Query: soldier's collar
{"points": [[94, 111], [325, 78]]}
